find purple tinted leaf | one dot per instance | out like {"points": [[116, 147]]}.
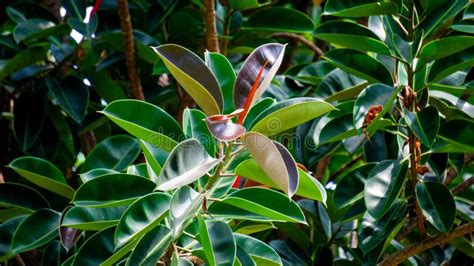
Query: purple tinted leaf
{"points": [[290, 167], [68, 236], [224, 129], [272, 54]]}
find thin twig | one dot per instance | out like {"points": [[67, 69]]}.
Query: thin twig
{"points": [[129, 48], [463, 186], [301, 39], [427, 243]]}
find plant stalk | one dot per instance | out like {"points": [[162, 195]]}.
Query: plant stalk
{"points": [[212, 43], [129, 49]]}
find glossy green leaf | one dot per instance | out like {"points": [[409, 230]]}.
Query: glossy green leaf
{"points": [[185, 203], [218, 242], [267, 203], [373, 232], [290, 20], [13, 195], [350, 188], [280, 116], [194, 126], [28, 120], [85, 218], [308, 186], [115, 153], [359, 8], [267, 57], [7, 229], [384, 184], [373, 95], [186, 164], [224, 72], [360, 65], [10, 213], [23, 59], [153, 156], [431, 23], [261, 253], [89, 175], [142, 216], [151, 246], [437, 204], [36, 230], [72, 95], [106, 87], [445, 66], [425, 124], [112, 190], [250, 227], [194, 76], [337, 85], [275, 161], [153, 125], [43, 174], [97, 248], [455, 136], [256, 110], [444, 47], [62, 127], [247, 4], [351, 35], [35, 29]]}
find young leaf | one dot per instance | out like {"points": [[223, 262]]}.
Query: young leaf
{"points": [[114, 153], [184, 204], [43, 174], [281, 116], [267, 203], [187, 162], [268, 57], [69, 236], [121, 189], [36, 230], [218, 242], [141, 217], [222, 127], [194, 76], [151, 246], [308, 186], [383, 186], [224, 72], [275, 160], [437, 204], [152, 124]]}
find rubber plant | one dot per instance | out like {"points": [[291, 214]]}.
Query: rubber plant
{"points": [[179, 205]]}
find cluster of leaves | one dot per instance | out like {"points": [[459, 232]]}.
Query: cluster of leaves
{"points": [[385, 119]]}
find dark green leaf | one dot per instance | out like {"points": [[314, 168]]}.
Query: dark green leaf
{"points": [[7, 229], [28, 117], [21, 197], [218, 242], [384, 184], [222, 69], [359, 8], [437, 204], [97, 248], [261, 253], [194, 126], [112, 190], [36, 230], [85, 218], [141, 217], [43, 174], [151, 247], [289, 20], [425, 124], [23, 59], [445, 66], [72, 95], [351, 186], [360, 65], [185, 203], [153, 125], [114, 153]]}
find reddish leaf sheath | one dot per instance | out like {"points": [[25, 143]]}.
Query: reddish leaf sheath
{"points": [[248, 101], [95, 8]]}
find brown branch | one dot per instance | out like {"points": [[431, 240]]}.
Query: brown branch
{"points": [[418, 247], [301, 39], [212, 43], [346, 166], [463, 186], [129, 49], [414, 178]]}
